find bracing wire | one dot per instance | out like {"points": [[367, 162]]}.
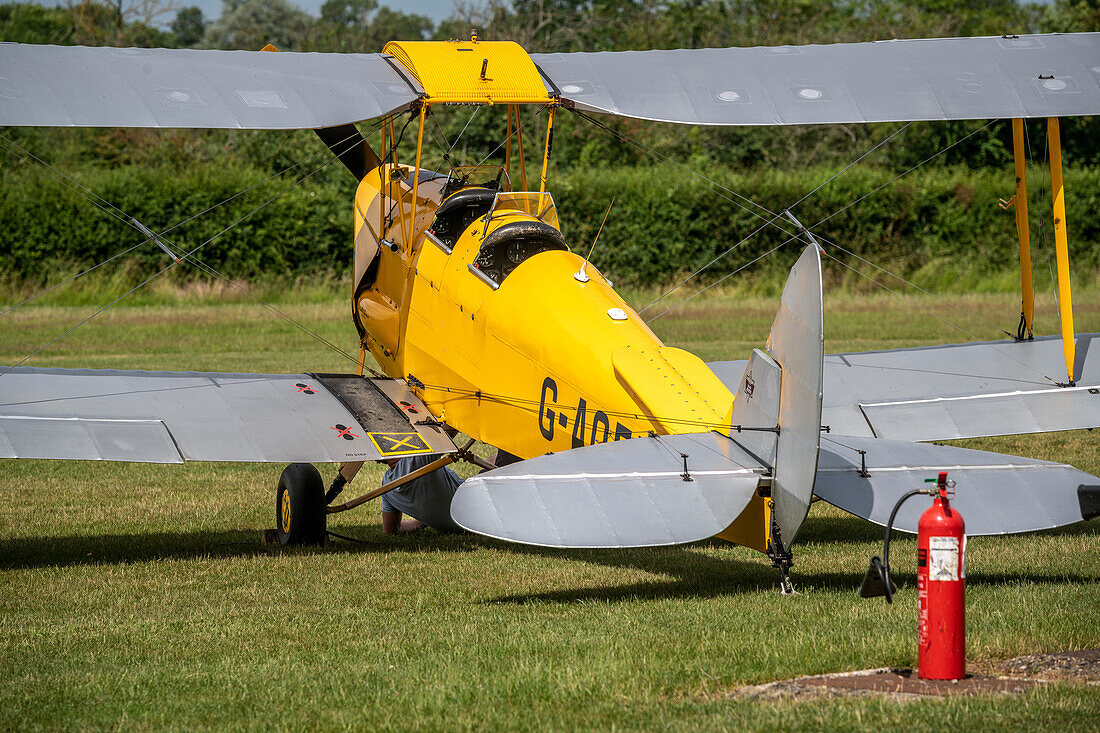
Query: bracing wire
{"points": [[273, 308], [915, 287], [438, 132], [185, 257], [112, 210], [505, 141], [840, 172], [940, 318], [830, 216], [774, 217], [732, 196], [722, 279], [893, 180], [533, 406]]}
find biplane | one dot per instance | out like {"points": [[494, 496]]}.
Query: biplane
{"points": [[481, 318]]}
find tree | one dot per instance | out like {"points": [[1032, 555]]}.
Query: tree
{"points": [[1072, 16], [393, 25], [348, 13], [252, 24], [189, 26], [31, 23], [341, 23]]}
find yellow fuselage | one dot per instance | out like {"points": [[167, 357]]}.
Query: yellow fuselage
{"points": [[544, 362], [475, 299]]}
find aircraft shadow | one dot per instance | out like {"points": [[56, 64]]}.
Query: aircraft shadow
{"points": [[687, 574], [121, 549], [698, 576]]}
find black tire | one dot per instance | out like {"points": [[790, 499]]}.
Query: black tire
{"points": [[300, 510]]}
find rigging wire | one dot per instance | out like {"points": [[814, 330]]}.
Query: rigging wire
{"points": [[391, 156], [917, 287], [938, 317], [451, 146], [772, 221], [507, 139], [110, 209], [532, 406], [903, 174], [732, 196], [830, 216], [825, 239], [273, 308], [836, 175], [723, 279], [160, 272]]}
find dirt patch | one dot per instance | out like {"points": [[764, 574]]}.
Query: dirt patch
{"points": [[1012, 676], [1081, 665]]}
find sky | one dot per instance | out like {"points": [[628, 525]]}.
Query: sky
{"points": [[437, 10]]}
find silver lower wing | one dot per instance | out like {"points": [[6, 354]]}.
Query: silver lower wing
{"points": [[955, 391], [631, 493], [171, 417], [994, 493]]}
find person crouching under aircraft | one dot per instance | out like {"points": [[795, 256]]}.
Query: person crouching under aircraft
{"points": [[427, 500]]}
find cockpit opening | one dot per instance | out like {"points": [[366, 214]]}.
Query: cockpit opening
{"points": [[507, 247]]}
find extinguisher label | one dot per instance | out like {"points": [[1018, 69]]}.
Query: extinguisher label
{"points": [[943, 558]]}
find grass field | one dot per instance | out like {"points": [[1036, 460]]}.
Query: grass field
{"points": [[138, 597]]}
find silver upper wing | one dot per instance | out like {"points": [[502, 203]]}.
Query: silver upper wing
{"points": [[77, 86], [955, 391], [932, 79], [170, 417]]}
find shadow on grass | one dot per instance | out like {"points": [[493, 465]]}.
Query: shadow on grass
{"points": [[688, 572], [692, 574], [852, 529], [702, 576]]}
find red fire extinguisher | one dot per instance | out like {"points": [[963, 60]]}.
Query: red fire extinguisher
{"points": [[941, 583], [941, 590]]}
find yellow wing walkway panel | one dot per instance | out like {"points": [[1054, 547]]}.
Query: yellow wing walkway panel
{"points": [[478, 72]]}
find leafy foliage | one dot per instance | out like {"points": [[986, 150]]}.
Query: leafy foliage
{"points": [[941, 218], [935, 225]]}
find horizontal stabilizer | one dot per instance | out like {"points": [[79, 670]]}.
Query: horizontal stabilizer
{"points": [[994, 493], [630, 493], [170, 417]]}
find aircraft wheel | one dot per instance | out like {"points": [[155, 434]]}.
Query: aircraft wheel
{"points": [[300, 510]]}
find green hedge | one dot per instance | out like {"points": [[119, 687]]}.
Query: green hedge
{"points": [[935, 225], [306, 230], [938, 224]]}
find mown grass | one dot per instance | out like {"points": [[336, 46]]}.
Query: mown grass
{"points": [[137, 597]]}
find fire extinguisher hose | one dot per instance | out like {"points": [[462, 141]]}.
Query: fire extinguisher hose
{"points": [[885, 566]]}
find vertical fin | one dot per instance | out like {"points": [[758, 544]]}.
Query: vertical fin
{"points": [[797, 342], [756, 407]]}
